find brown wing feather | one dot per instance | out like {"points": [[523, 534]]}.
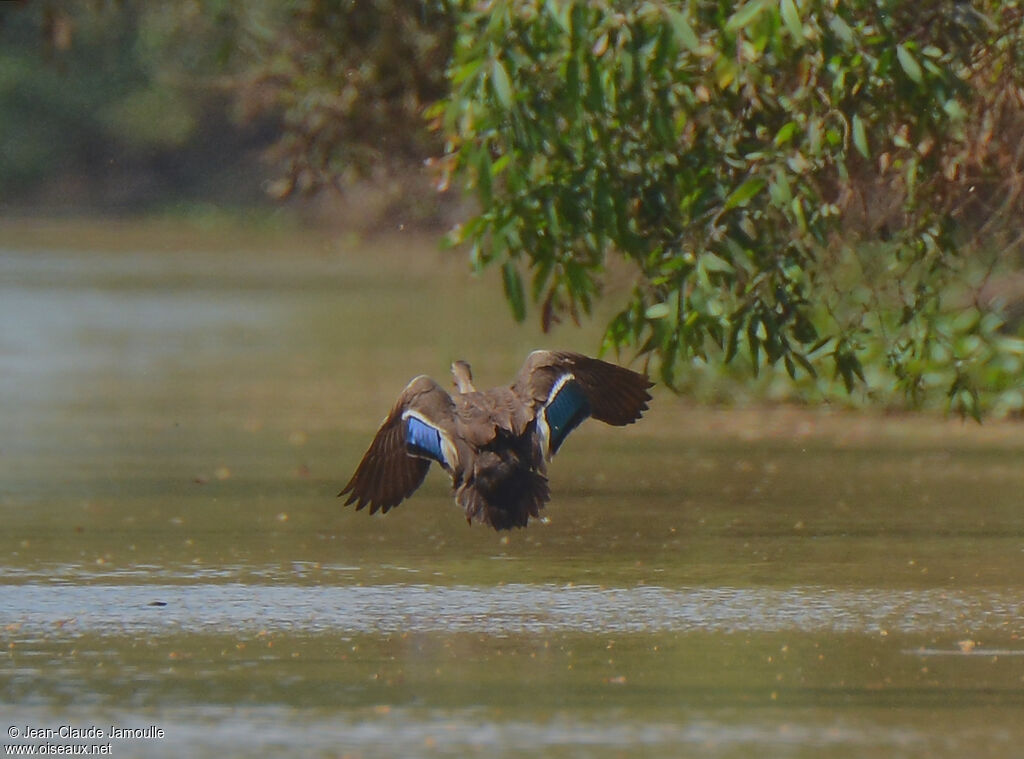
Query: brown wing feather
{"points": [[387, 474], [617, 395]]}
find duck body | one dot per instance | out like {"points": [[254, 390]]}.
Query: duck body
{"points": [[495, 444]]}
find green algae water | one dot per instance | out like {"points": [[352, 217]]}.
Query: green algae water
{"points": [[177, 577]]}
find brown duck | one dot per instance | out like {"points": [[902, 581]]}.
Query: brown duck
{"points": [[495, 444]]}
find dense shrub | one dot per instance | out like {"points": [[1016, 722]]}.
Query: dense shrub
{"points": [[349, 80], [798, 183]]}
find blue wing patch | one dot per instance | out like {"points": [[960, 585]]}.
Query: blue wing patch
{"points": [[564, 412], [422, 440]]}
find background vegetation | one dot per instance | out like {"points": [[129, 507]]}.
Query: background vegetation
{"points": [[119, 106], [824, 192], [815, 186]]}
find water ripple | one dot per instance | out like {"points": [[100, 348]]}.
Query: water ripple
{"points": [[507, 609]]}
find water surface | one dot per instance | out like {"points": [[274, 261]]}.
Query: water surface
{"points": [[178, 419]]}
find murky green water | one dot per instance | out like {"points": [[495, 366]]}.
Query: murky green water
{"points": [[175, 425]]}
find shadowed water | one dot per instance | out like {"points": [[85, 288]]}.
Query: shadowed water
{"points": [[176, 425]]}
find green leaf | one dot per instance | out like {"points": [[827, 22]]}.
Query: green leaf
{"points": [[841, 29], [499, 166], [513, 285], [732, 343], [791, 17], [909, 64], [803, 329], [754, 344], [803, 361], [848, 368], [785, 134], [682, 29], [742, 194], [464, 72], [790, 366], [501, 83], [745, 15], [711, 262], [483, 177], [798, 213], [780, 191], [595, 89], [657, 311], [668, 364], [842, 371], [954, 110], [860, 136], [560, 11], [857, 368], [572, 80]]}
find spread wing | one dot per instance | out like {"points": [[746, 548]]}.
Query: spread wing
{"points": [[565, 388], [416, 432]]}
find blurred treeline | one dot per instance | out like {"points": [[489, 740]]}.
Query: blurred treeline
{"points": [[134, 104], [130, 105], [120, 106]]}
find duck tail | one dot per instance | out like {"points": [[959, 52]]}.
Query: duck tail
{"points": [[519, 498]]}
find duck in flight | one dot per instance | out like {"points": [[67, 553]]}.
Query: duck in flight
{"points": [[495, 444]]}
